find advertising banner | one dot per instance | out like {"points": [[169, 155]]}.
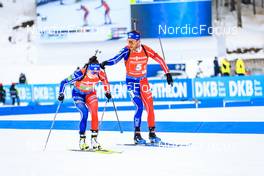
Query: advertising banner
{"points": [[172, 18], [48, 93], [227, 88], [233, 88]]}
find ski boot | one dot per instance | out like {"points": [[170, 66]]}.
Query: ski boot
{"points": [[152, 136], [94, 143], [137, 137], [82, 144]]}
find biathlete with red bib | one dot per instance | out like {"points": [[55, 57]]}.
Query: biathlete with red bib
{"points": [[136, 58], [107, 12], [85, 99], [85, 15]]}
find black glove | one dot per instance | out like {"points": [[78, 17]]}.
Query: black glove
{"points": [[103, 64], [61, 97], [169, 79], [108, 95]]}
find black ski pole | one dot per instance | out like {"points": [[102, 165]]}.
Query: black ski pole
{"points": [[58, 108], [163, 54], [121, 131], [162, 48], [103, 113]]}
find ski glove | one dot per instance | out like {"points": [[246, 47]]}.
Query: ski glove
{"points": [[61, 97], [103, 64], [108, 95], [169, 79]]}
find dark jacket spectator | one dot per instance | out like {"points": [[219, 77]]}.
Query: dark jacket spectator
{"points": [[22, 78], [2, 93], [216, 67], [14, 94]]}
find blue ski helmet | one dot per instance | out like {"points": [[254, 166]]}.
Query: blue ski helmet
{"points": [[133, 35], [94, 68]]}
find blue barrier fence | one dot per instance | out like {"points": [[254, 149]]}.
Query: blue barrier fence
{"points": [[228, 88], [210, 92], [193, 93], [47, 93]]}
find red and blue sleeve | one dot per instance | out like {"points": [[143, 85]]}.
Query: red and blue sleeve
{"points": [[77, 75], [151, 53], [122, 54]]}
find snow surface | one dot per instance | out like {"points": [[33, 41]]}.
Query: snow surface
{"points": [[207, 154], [210, 154]]}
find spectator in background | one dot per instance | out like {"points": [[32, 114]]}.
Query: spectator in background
{"points": [[14, 94], [216, 67], [225, 67], [107, 18], [22, 78], [240, 68], [2, 93], [86, 12], [199, 72]]}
